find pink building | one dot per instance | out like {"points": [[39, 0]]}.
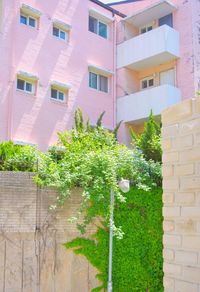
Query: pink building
{"points": [[125, 59]]}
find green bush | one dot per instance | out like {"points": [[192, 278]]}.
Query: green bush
{"points": [[25, 159], [7, 150], [91, 158], [137, 258], [149, 140], [18, 158]]}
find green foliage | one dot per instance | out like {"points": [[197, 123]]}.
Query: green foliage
{"points": [[91, 160], [7, 150], [137, 258], [99, 121], [25, 159], [79, 122], [94, 161], [116, 129], [17, 158], [149, 140]]}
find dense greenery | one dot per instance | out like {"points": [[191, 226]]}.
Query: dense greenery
{"points": [[18, 158], [91, 158], [137, 258], [149, 140], [87, 157]]}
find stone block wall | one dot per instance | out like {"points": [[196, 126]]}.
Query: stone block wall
{"points": [[32, 256], [181, 196]]}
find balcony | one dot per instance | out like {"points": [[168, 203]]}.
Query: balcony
{"points": [[137, 106], [150, 49]]}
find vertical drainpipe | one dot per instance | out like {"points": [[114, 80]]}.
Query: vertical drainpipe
{"points": [[11, 76], [115, 71]]}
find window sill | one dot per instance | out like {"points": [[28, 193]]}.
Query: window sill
{"points": [[99, 91], [26, 92], [102, 38], [29, 26], [59, 102], [143, 89], [59, 39]]}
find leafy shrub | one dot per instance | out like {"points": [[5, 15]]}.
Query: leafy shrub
{"points": [[7, 150], [18, 158], [149, 140], [93, 160], [25, 159], [137, 258]]}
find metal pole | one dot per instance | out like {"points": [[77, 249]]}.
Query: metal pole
{"points": [[111, 241]]}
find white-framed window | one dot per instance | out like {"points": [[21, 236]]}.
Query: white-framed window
{"points": [[60, 33], [98, 27], [28, 20], [25, 85], [147, 82], [58, 94], [98, 82], [146, 28]]}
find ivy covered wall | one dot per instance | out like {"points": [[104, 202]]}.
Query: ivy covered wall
{"points": [[137, 258]]}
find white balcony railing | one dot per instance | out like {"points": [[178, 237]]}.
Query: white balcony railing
{"points": [[137, 106], [150, 49]]}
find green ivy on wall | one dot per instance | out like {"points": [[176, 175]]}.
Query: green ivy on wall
{"points": [[137, 258]]}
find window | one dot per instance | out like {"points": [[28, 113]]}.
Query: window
{"points": [[57, 95], [98, 27], [98, 82], [61, 34], [146, 28], [28, 20], [103, 83], [24, 85], [93, 80], [147, 82], [167, 19]]}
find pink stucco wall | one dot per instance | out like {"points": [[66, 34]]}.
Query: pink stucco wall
{"points": [[196, 42], [37, 119]]}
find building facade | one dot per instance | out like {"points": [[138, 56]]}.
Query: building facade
{"points": [[124, 59]]}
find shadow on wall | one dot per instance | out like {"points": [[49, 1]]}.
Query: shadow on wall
{"points": [[34, 114]]}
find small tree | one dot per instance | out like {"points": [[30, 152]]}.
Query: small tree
{"points": [[149, 140]]}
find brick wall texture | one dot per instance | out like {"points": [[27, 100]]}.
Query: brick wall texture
{"points": [[181, 196], [32, 257]]}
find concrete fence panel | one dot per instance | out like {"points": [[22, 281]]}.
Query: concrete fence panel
{"points": [[32, 256]]}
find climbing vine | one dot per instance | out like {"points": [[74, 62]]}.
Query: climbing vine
{"points": [[91, 158], [137, 258]]}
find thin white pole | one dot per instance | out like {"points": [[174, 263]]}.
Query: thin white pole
{"points": [[111, 241]]}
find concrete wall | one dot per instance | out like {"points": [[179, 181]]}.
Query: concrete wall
{"points": [[32, 257], [181, 196]]}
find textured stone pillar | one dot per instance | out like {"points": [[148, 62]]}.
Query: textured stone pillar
{"points": [[181, 196]]}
